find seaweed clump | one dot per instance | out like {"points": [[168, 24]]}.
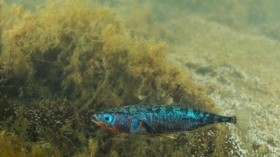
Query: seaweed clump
{"points": [[69, 58], [12, 146]]}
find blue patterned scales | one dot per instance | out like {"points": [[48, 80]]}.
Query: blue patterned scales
{"points": [[142, 119]]}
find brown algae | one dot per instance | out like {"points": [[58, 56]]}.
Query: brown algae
{"points": [[70, 58]]}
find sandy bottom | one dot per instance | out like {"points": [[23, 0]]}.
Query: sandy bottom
{"points": [[239, 72]]}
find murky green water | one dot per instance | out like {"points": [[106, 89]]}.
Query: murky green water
{"points": [[61, 61]]}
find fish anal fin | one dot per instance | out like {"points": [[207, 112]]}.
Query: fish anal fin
{"points": [[168, 135]]}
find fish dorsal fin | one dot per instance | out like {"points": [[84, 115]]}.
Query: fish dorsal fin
{"points": [[166, 99], [143, 99]]}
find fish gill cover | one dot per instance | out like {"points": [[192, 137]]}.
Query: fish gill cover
{"points": [[69, 58]]}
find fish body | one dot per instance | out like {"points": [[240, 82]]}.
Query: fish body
{"points": [[143, 119]]}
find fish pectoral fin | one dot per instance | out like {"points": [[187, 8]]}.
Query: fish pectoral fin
{"points": [[139, 130], [138, 127]]}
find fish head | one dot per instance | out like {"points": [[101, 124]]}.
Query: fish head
{"points": [[105, 120]]}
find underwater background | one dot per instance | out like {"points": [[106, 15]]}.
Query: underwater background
{"points": [[60, 61]]}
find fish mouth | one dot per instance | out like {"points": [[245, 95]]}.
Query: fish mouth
{"points": [[94, 120]]}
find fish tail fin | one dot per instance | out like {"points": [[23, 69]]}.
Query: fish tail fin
{"points": [[242, 120]]}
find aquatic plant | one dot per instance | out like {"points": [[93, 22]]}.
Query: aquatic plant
{"points": [[13, 146], [74, 53]]}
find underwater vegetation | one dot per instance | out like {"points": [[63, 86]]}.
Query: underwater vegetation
{"points": [[11, 146], [67, 59]]}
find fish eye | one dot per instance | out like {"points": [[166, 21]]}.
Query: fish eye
{"points": [[108, 118]]}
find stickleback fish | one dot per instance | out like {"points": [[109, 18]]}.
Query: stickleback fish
{"points": [[144, 119]]}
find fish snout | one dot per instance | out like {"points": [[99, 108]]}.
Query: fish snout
{"points": [[93, 118]]}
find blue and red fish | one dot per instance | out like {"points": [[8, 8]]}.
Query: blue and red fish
{"points": [[161, 119]]}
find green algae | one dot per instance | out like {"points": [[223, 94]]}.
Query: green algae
{"points": [[60, 63], [13, 146]]}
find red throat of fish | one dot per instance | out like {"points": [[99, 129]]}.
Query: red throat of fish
{"points": [[105, 126]]}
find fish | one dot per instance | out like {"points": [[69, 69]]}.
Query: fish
{"points": [[156, 119]]}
